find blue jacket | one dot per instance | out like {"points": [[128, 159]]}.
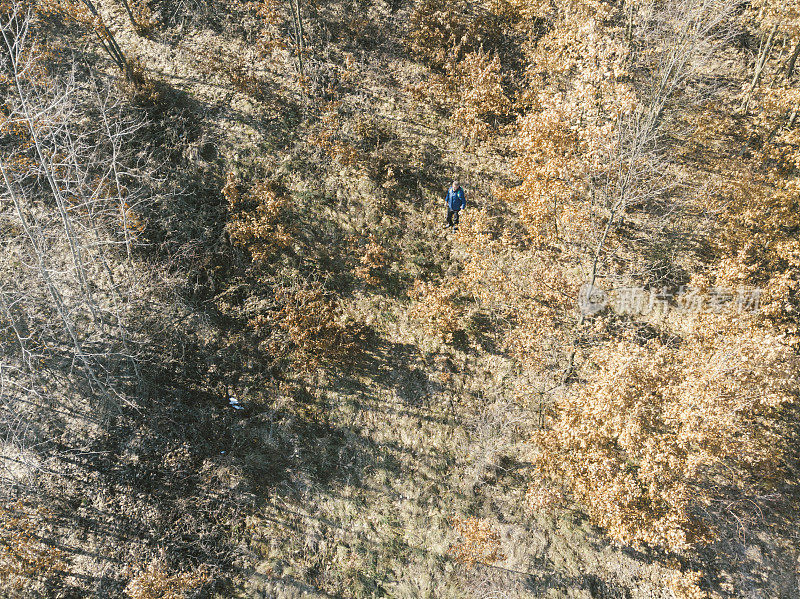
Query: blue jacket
{"points": [[456, 199]]}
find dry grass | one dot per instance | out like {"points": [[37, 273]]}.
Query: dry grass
{"points": [[353, 481]]}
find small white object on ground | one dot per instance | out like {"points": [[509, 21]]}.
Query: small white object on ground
{"points": [[235, 403]]}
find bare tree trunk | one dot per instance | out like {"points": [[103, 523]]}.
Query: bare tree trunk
{"points": [[129, 11], [300, 27], [107, 39], [766, 50], [297, 25], [792, 62]]}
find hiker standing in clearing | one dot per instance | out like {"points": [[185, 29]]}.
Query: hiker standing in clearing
{"points": [[456, 202]]}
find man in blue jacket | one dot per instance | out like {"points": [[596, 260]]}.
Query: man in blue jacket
{"points": [[456, 201]]}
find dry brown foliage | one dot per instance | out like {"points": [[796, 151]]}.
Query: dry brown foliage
{"points": [[686, 585], [480, 543], [144, 21], [24, 557], [435, 309], [441, 32], [265, 23], [237, 69], [157, 582], [757, 199], [314, 329], [143, 88], [568, 143], [84, 13], [436, 30], [72, 10], [481, 101], [639, 441], [372, 260], [529, 288], [639, 444], [328, 136], [259, 218]]}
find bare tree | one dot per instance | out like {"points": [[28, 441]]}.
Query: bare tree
{"points": [[686, 33], [72, 206]]}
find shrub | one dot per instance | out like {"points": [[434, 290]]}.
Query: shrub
{"points": [[156, 582], [373, 259], [440, 32], [481, 103], [259, 218], [143, 88], [480, 544], [237, 69], [436, 30], [685, 585], [641, 442], [313, 328], [144, 21], [328, 136], [435, 309], [24, 557]]}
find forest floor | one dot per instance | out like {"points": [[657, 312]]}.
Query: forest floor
{"points": [[351, 475]]}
